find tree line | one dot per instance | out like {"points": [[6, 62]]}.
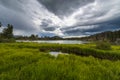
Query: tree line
{"points": [[112, 36], [7, 34], [36, 37]]}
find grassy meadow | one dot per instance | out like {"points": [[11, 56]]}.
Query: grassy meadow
{"points": [[32, 61]]}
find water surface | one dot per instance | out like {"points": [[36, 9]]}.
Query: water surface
{"points": [[56, 41], [55, 53]]}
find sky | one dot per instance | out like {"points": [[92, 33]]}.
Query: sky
{"points": [[65, 18]]}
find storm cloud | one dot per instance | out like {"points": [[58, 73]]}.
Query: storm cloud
{"points": [[60, 17], [64, 7]]}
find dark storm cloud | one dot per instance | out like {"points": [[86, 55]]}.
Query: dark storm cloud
{"points": [[60, 17], [12, 4], [64, 7], [99, 28], [49, 28], [46, 25], [13, 13], [11, 18]]}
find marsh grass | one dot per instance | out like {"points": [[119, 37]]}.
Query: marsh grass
{"points": [[84, 50], [25, 61]]}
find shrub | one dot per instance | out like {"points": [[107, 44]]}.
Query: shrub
{"points": [[103, 45]]}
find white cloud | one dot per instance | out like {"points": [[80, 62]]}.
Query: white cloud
{"points": [[27, 16]]}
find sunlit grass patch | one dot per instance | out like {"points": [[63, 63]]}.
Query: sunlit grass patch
{"points": [[25, 61]]}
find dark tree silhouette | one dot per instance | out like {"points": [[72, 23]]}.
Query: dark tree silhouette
{"points": [[0, 24], [8, 32]]}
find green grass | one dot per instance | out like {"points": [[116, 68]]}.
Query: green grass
{"points": [[24, 61], [84, 50]]}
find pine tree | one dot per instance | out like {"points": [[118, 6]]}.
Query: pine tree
{"points": [[0, 24], [8, 32]]}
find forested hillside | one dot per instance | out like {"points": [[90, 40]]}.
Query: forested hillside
{"points": [[108, 35]]}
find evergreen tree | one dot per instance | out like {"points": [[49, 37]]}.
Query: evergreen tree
{"points": [[0, 24], [33, 37], [0, 33], [8, 32]]}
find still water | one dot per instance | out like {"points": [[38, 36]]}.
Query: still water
{"points": [[56, 41], [55, 53]]}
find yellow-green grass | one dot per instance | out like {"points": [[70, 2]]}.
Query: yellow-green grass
{"points": [[84, 50], [24, 61]]}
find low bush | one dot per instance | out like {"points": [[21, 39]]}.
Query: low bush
{"points": [[103, 45]]}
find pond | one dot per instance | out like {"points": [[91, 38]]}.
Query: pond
{"points": [[55, 53], [56, 41]]}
